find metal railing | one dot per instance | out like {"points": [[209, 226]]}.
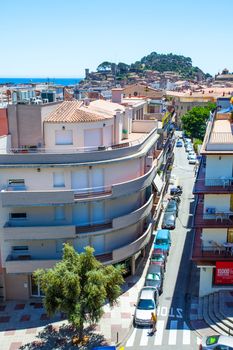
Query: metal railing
{"points": [[58, 149]]}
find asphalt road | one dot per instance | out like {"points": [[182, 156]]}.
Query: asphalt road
{"points": [[172, 326]]}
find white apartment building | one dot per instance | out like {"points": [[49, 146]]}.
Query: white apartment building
{"points": [[87, 182], [213, 240]]}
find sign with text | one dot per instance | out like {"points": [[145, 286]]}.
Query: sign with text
{"points": [[224, 272]]}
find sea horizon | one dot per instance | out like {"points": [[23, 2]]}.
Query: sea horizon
{"points": [[54, 81]]}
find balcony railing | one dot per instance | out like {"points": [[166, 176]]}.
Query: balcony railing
{"points": [[214, 185], [92, 192], [209, 250], [214, 220], [26, 197]]}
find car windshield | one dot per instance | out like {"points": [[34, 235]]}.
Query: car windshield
{"points": [[160, 241], [153, 276], [146, 304]]}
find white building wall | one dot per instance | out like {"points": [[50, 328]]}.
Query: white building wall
{"points": [[218, 166], [122, 172], [206, 282], [114, 173], [218, 235], [77, 131], [220, 202]]}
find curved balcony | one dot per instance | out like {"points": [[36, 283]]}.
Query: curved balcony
{"points": [[29, 230], [134, 217], [118, 222], [13, 198], [75, 155], [132, 248], [27, 264]]}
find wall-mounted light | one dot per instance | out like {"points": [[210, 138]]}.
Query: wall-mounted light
{"points": [[104, 124], [219, 157], [90, 167], [63, 128], [38, 170]]}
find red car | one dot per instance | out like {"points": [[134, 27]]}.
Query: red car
{"points": [[159, 258]]}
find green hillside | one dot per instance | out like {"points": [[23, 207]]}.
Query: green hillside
{"points": [[158, 62]]}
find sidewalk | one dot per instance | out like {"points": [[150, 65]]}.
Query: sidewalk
{"points": [[21, 322]]}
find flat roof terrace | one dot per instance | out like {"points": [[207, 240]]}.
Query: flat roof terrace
{"points": [[219, 135]]}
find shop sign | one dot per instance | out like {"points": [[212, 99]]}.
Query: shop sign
{"points": [[224, 272]]}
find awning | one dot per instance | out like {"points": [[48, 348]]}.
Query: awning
{"points": [[158, 183]]}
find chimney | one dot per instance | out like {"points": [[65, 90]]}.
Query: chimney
{"points": [[117, 95]]}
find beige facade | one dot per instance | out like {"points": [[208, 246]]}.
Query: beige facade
{"points": [[60, 193]]}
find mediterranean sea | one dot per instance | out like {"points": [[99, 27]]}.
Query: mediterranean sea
{"points": [[54, 81]]}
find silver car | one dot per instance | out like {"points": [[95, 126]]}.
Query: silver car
{"points": [[147, 303], [217, 342]]}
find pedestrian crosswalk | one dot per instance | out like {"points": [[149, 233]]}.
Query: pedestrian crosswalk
{"points": [[174, 333]]}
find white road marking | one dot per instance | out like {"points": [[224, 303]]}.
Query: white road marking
{"points": [[159, 332], [172, 332], [144, 338], [186, 335], [131, 339]]}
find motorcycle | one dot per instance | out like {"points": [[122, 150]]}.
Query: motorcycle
{"points": [[176, 191]]}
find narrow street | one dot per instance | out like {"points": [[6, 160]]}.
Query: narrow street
{"points": [[172, 325]]}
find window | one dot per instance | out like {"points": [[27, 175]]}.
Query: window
{"points": [[59, 213], [64, 137], [18, 216], [58, 179]]}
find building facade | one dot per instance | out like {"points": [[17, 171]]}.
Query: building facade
{"points": [[213, 218], [91, 180]]}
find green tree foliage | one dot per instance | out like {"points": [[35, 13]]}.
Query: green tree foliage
{"points": [[104, 66], [122, 68], [194, 122], [171, 62], [79, 286]]}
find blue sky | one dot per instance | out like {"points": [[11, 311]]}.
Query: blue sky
{"points": [[57, 38]]}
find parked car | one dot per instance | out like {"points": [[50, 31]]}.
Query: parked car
{"points": [[176, 190], [163, 241], [154, 277], [159, 258], [169, 220], [217, 342], [147, 303], [172, 207], [189, 148], [192, 159], [179, 143], [191, 153], [187, 140]]}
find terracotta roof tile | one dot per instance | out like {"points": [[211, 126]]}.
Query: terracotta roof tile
{"points": [[74, 112]]}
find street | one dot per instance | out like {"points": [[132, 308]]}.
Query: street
{"points": [[172, 325]]}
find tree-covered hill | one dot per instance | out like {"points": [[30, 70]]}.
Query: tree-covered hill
{"points": [[157, 62], [170, 62]]}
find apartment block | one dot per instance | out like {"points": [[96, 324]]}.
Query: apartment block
{"points": [[213, 221], [85, 175]]}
